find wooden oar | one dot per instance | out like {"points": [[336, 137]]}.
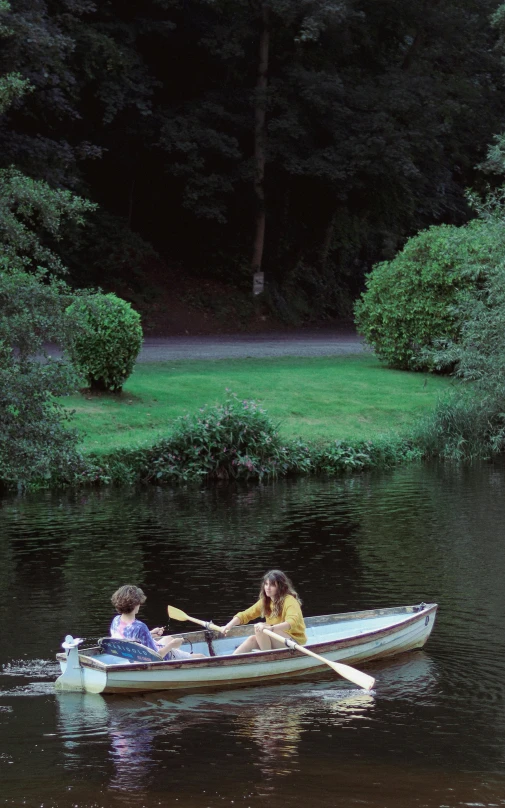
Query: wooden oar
{"points": [[358, 677], [178, 614]]}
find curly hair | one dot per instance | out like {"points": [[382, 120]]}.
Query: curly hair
{"points": [[126, 598], [284, 587]]}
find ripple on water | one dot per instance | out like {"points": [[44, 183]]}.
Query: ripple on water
{"points": [[31, 668], [31, 689], [41, 673]]}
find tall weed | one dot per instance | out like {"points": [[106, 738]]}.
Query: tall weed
{"points": [[463, 427]]}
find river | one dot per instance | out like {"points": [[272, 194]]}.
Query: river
{"points": [[431, 734]]}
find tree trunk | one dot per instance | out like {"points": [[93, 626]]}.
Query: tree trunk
{"points": [[260, 152], [327, 241], [130, 202]]}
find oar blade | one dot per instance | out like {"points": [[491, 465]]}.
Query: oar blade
{"points": [[177, 614], [358, 677]]}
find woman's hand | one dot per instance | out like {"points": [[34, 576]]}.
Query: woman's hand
{"points": [[258, 627], [231, 624], [157, 632]]}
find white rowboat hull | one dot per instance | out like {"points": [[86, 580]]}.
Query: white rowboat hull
{"points": [[353, 638]]}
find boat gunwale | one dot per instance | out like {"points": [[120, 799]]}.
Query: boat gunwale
{"points": [[274, 654]]}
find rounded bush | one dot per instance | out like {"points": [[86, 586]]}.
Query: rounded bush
{"points": [[106, 340], [411, 303]]}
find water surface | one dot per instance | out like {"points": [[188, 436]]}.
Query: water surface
{"points": [[431, 734]]}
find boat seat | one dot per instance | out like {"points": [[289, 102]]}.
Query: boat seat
{"points": [[128, 649]]}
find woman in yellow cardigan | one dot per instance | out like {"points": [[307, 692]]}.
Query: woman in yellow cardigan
{"points": [[280, 607]]}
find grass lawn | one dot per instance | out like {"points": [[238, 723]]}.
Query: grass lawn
{"points": [[319, 399]]}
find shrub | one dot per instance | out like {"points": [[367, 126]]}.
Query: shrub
{"points": [[107, 340], [479, 355], [413, 301], [381, 453], [235, 440], [187, 456], [471, 423]]}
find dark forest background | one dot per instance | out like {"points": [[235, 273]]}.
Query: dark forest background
{"points": [[374, 119]]}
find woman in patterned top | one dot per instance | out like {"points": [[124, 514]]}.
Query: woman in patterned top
{"points": [[127, 600], [280, 607]]}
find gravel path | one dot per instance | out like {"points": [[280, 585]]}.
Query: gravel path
{"points": [[335, 342], [240, 346]]}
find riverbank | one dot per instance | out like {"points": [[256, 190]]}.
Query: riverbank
{"points": [[320, 399]]}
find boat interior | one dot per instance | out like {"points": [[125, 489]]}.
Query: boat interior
{"points": [[323, 629]]}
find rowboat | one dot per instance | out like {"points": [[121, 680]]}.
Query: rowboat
{"points": [[121, 666]]}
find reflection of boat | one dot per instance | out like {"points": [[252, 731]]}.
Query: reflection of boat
{"points": [[129, 730], [355, 637]]}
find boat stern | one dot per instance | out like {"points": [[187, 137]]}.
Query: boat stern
{"points": [[74, 676]]}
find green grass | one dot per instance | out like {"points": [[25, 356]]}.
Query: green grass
{"points": [[321, 399]]}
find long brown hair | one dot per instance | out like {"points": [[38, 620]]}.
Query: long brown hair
{"points": [[284, 587]]}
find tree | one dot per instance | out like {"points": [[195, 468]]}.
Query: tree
{"points": [[372, 125], [34, 441], [362, 127]]}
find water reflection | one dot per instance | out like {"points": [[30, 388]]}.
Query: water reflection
{"points": [[274, 719], [270, 722], [277, 729]]}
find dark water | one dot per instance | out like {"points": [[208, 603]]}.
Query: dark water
{"points": [[431, 734]]}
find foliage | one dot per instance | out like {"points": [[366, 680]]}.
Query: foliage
{"points": [[108, 254], [381, 453], [35, 443], [12, 87], [31, 213], [463, 427], [480, 354], [416, 300], [471, 423], [169, 463], [106, 340], [376, 114], [235, 440], [495, 159]]}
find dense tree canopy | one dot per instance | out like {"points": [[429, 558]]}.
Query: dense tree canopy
{"points": [[372, 117]]}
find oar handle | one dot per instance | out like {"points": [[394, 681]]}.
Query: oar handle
{"points": [[206, 624], [213, 627]]}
